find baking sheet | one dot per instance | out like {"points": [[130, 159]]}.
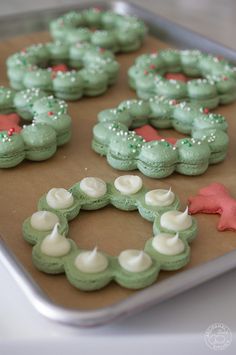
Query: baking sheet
{"points": [[110, 229]]}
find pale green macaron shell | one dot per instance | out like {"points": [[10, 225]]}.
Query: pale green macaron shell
{"points": [[40, 141], [151, 211], [157, 159], [169, 262], [81, 280], [69, 213], [34, 236], [113, 31], [188, 234], [93, 70], [89, 202], [213, 80], [51, 264], [60, 122], [6, 100], [103, 133], [194, 156], [218, 142], [69, 85], [24, 101], [112, 267], [125, 150], [12, 150], [50, 126]]}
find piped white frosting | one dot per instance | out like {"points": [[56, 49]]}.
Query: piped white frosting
{"points": [[134, 260], [176, 220], [159, 197], [168, 244], [128, 184], [59, 198], [55, 244], [93, 187], [91, 261], [43, 220]]}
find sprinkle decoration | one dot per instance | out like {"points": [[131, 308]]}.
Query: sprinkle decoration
{"points": [[10, 132], [173, 102], [187, 142], [152, 66], [215, 199]]}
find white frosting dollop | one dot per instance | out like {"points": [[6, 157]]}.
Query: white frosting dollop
{"points": [[43, 220], [55, 244], [93, 187], [159, 197], [134, 260], [176, 220], [168, 244], [91, 261], [128, 184], [59, 198]]}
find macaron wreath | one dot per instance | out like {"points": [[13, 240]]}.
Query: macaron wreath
{"points": [[213, 79], [93, 69], [105, 29], [54, 253], [125, 150], [47, 125]]}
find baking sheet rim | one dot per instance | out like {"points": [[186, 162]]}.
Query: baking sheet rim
{"points": [[142, 300], [146, 298]]}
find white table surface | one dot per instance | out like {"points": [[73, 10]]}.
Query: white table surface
{"points": [[176, 326]]}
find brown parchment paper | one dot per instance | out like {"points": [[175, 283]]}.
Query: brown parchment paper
{"points": [[110, 229]]}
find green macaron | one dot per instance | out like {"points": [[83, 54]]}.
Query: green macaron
{"points": [[123, 150], [193, 157], [157, 159], [12, 149], [103, 133], [6, 100], [68, 86], [40, 141], [24, 101]]}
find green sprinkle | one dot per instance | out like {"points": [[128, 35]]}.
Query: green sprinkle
{"points": [[186, 142]]}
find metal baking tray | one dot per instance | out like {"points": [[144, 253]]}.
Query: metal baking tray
{"points": [[169, 32]]}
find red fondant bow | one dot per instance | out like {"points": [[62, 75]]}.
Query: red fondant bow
{"points": [[10, 121], [151, 134], [215, 198]]}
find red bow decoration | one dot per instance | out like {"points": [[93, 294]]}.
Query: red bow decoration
{"points": [[60, 67], [151, 134], [215, 198], [176, 76], [10, 121]]}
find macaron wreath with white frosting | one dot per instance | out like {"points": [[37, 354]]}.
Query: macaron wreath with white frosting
{"points": [[45, 126], [105, 29], [47, 229], [126, 150], [213, 79], [93, 69]]}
